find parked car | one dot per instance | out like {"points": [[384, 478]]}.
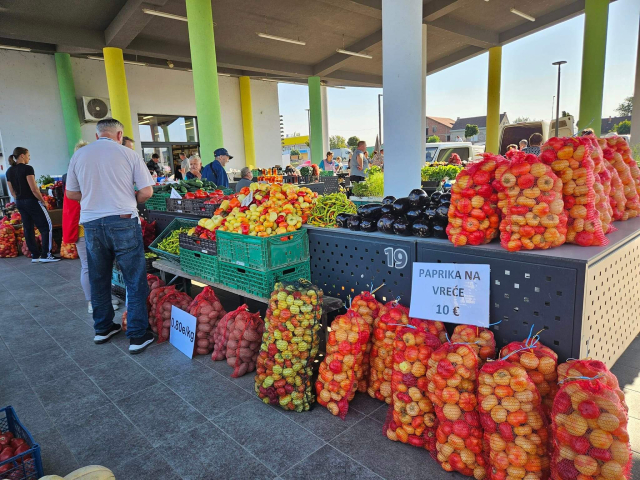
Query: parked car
{"points": [[441, 152]]}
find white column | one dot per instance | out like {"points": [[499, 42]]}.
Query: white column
{"points": [[404, 89], [635, 118], [325, 120]]}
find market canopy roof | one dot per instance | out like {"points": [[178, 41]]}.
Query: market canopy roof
{"points": [[458, 30]]}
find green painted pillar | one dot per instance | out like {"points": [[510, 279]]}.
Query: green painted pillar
{"points": [[68, 100], [596, 14], [205, 77], [315, 114]]}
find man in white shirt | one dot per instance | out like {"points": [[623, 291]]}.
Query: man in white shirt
{"points": [[101, 177]]}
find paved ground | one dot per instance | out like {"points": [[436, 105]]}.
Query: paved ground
{"points": [[160, 416]]}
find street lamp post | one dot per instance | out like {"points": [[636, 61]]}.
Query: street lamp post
{"points": [[559, 63]]}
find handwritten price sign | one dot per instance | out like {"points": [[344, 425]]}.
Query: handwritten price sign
{"points": [[451, 292]]}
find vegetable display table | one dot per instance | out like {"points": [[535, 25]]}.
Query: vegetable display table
{"points": [[584, 297]]}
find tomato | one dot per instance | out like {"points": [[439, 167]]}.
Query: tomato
{"points": [[190, 195]]}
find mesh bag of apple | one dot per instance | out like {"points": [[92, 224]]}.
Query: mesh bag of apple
{"points": [[162, 311], [8, 245], [367, 307], [530, 196], [473, 214], [208, 310], [601, 188], [245, 337], [540, 362], [615, 159], [516, 435], [479, 338], [339, 371], [589, 426], [452, 375], [570, 159], [411, 417], [290, 342]]}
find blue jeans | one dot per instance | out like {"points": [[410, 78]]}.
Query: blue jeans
{"points": [[120, 238]]}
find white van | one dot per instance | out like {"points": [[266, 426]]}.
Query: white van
{"points": [[514, 132], [441, 152]]}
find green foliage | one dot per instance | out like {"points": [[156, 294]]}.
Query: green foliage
{"points": [[373, 186], [45, 180], [470, 130], [353, 142], [565, 113], [433, 139], [337, 141], [360, 189], [437, 174], [626, 107], [635, 153], [294, 152], [622, 128], [305, 171], [522, 119]]}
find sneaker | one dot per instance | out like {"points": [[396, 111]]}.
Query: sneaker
{"points": [[115, 306], [104, 337], [90, 308], [35, 260], [49, 259], [137, 345]]}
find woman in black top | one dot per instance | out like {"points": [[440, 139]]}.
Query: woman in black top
{"points": [[22, 184]]}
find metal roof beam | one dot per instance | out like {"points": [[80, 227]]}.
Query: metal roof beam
{"points": [[356, 79], [129, 22], [439, 8], [335, 61]]}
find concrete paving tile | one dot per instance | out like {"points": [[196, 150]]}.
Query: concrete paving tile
{"points": [[321, 422], [120, 377], [148, 466], [57, 459], [327, 462], [46, 366]]}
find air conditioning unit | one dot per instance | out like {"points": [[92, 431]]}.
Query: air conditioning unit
{"points": [[95, 109]]}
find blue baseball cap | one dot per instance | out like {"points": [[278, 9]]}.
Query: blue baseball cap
{"points": [[222, 151]]}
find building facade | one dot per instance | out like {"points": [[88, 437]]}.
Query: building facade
{"points": [[440, 126], [457, 130]]}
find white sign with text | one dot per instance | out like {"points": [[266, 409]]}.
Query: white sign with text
{"points": [[182, 334], [451, 292]]}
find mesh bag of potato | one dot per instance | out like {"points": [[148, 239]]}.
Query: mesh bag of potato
{"points": [[452, 375], [245, 336], [172, 298], [208, 310], [590, 436], [221, 334], [289, 346], [473, 214], [616, 160], [479, 338], [411, 417], [530, 197], [515, 430]]}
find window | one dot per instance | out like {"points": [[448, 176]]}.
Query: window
{"points": [[445, 154], [435, 129], [431, 151], [167, 128]]}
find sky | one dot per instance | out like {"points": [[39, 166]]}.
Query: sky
{"points": [[529, 81]]}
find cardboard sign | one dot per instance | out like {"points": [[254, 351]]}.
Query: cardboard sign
{"points": [[451, 292], [182, 333]]}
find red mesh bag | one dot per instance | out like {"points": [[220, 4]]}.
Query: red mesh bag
{"points": [[381, 356], [245, 337], [154, 282], [540, 362], [601, 185], [516, 434], [25, 250], [162, 312], [8, 245], [589, 431], [530, 196], [614, 189], [68, 251], [620, 145], [221, 334], [615, 159], [290, 343], [473, 215], [155, 297], [591, 368], [124, 321], [570, 159], [452, 375], [435, 327], [479, 338], [338, 377], [208, 311], [411, 417], [367, 307]]}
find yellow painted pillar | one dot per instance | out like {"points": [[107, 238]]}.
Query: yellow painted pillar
{"points": [[117, 84], [493, 100], [247, 122]]}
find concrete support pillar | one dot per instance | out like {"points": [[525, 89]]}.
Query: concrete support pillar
{"points": [[404, 89], [596, 15], [315, 113], [68, 100], [493, 100], [325, 121], [205, 77], [247, 122], [635, 119], [117, 85]]}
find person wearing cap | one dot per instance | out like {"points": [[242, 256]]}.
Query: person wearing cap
{"points": [[215, 172]]}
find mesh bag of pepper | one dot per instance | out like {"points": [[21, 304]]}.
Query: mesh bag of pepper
{"points": [[435, 327], [590, 435], [620, 145], [601, 185], [616, 160], [614, 189], [479, 338], [452, 375], [336, 387], [124, 321], [591, 368], [162, 312], [411, 417], [367, 307], [290, 343], [530, 195], [8, 245], [243, 346], [570, 159], [473, 214], [381, 356], [208, 310], [516, 434], [540, 362], [68, 251]]}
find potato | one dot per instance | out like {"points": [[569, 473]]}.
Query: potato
{"points": [[203, 343], [203, 327], [231, 361], [202, 334], [243, 369], [245, 354], [255, 346], [202, 351], [252, 335], [166, 315], [232, 344], [165, 332], [217, 306], [244, 343], [166, 323], [167, 306], [206, 309]]}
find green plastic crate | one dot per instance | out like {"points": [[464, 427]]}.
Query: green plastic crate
{"points": [[260, 283], [199, 265], [175, 224], [158, 201], [263, 253]]}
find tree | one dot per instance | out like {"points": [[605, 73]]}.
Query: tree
{"points": [[565, 113], [623, 128], [433, 139], [353, 142], [626, 107], [470, 130], [294, 152], [336, 141], [522, 119]]}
